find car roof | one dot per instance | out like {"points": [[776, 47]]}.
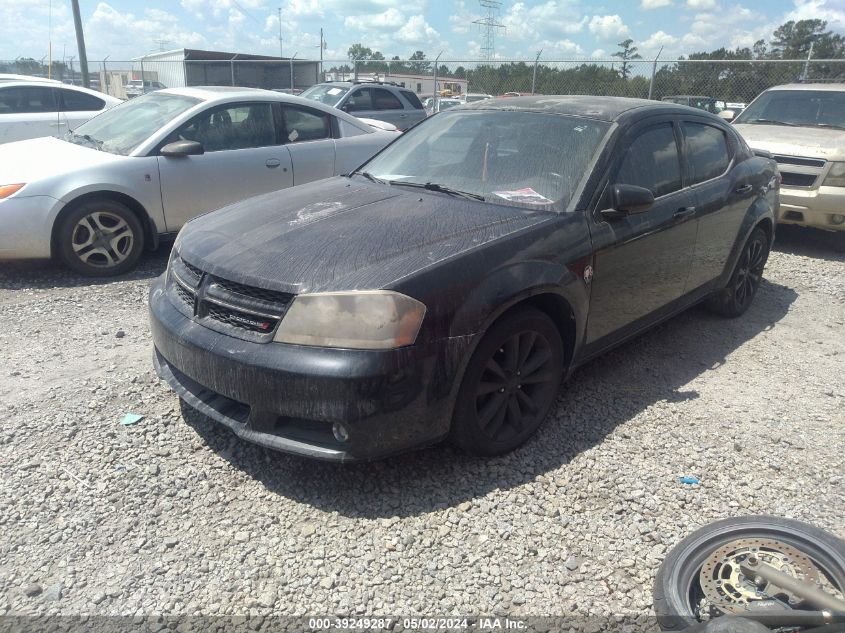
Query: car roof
{"points": [[50, 84], [818, 86], [601, 108], [4, 77]]}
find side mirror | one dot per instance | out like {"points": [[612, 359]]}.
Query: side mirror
{"points": [[727, 115], [628, 199], [182, 148]]}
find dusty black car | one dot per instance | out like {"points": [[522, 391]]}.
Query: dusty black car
{"points": [[446, 287]]}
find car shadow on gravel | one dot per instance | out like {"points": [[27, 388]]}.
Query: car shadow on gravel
{"points": [[600, 397], [48, 274], [807, 242]]}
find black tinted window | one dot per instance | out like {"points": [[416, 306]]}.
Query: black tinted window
{"points": [[27, 99], [385, 100], [305, 125], [652, 162], [706, 151], [233, 127], [74, 101], [360, 100], [413, 99]]}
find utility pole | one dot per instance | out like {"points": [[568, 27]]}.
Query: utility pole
{"points": [[291, 69], [435, 94], [807, 63], [653, 73], [322, 44], [534, 76], [280, 33], [80, 42]]}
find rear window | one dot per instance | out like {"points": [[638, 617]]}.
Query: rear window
{"points": [[413, 99], [74, 101], [385, 100]]}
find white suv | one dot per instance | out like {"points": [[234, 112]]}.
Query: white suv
{"points": [[30, 109]]}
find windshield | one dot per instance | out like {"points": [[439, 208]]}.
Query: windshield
{"points": [[122, 128], [327, 94], [524, 159], [818, 108]]}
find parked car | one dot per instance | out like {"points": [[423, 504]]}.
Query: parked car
{"points": [[136, 87], [446, 286], [373, 100], [111, 187], [29, 109], [442, 103], [803, 125], [472, 97]]}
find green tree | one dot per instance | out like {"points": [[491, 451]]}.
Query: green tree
{"points": [[626, 54], [418, 66], [359, 51]]}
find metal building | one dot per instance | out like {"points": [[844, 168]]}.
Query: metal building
{"points": [[191, 67]]}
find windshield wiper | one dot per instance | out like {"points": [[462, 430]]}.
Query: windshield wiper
{"points": [[87, 137], [773, 122], [433, 186], [369, 176]]}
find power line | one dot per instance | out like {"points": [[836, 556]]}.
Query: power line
{"points": [[489, 25]]}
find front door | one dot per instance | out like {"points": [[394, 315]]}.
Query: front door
{"points": [[242, 159], [642, 260]]}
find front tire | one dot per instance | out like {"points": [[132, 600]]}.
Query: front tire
{"points": [[100, 238], [510, 384], [735, 298]]}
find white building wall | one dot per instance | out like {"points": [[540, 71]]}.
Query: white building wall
{"points": [[169, 67]]}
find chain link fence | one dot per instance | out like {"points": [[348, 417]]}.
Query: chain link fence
{"points": [[738, 81]]}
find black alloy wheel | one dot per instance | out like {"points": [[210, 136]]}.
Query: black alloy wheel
{"points": [[510, 384], [736, 297], [100, 238]]}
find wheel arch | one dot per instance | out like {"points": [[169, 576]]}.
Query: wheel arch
{"points": [[151, 236]]}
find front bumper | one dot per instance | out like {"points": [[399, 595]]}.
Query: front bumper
{"points": [[822, 208], [287, 397], [26, 224]]}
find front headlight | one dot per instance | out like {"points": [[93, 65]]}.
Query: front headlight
{"points": [[369, 319], [8, 190], [835, 176]]}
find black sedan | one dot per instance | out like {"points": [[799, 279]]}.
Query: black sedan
{"points": [[446, 287]]}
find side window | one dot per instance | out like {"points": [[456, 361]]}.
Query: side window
{"points": [[303, 124], [652, 162], [385, 100], [413, 99], [359, 100], [706, 150], [73, 101], [232, 127], [27, 100]]}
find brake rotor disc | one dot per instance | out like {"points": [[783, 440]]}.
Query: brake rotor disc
{"points": [[728, 590]]}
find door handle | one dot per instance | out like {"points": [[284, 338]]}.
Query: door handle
{"points": [[273, 163], [743, 189], [684, 212], [402, 116]]}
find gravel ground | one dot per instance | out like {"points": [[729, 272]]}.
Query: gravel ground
{"points": [[174, 515]]}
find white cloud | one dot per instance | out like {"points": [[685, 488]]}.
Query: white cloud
{"points": [[658, 39], [608, 27], [831, 11], [599, 53], [701, 5], [389, 20], [417, 32], [654, 4]]}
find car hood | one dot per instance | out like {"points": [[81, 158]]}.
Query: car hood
{"points": [[810, 141], [341, 234], [33, 159]]}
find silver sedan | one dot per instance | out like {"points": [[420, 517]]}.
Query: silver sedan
{"points": [[114, 185]]}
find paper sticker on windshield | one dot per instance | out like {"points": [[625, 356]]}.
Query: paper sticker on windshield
{"points": [[293, 136], [334, 91], [525, 196]]}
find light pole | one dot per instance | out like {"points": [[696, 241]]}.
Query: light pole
{"points": [[291, 69], [80, 42]]}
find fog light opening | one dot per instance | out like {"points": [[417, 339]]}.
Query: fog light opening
{"points": [[340, 432], [837, 218]]}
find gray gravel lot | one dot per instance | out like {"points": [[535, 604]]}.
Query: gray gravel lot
{"points": [[176, 516]]}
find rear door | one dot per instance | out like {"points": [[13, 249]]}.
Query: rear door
{"points": [[723, 192], [29, 112], [307, 133], [78, 106], [642, 260], [243, 158]]}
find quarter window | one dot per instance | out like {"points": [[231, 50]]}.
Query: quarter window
{"points": [[27, 100], [73, 101], [235, 127], [413, 99], [706, 151], [305, 125], [652, 162]]}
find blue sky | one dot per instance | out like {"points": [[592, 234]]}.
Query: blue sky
{"points": [[564, 29]]}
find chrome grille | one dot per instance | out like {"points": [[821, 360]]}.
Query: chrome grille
{"points": [[800, 171]]}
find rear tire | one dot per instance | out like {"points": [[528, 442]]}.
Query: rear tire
{"points": [[100, 238], [510, 384], [735, 298]]}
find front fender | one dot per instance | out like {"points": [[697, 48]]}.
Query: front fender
{"points": [[763, 208]]}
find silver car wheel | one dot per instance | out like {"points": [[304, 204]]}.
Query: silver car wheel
{"points": [[102, 239]]}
